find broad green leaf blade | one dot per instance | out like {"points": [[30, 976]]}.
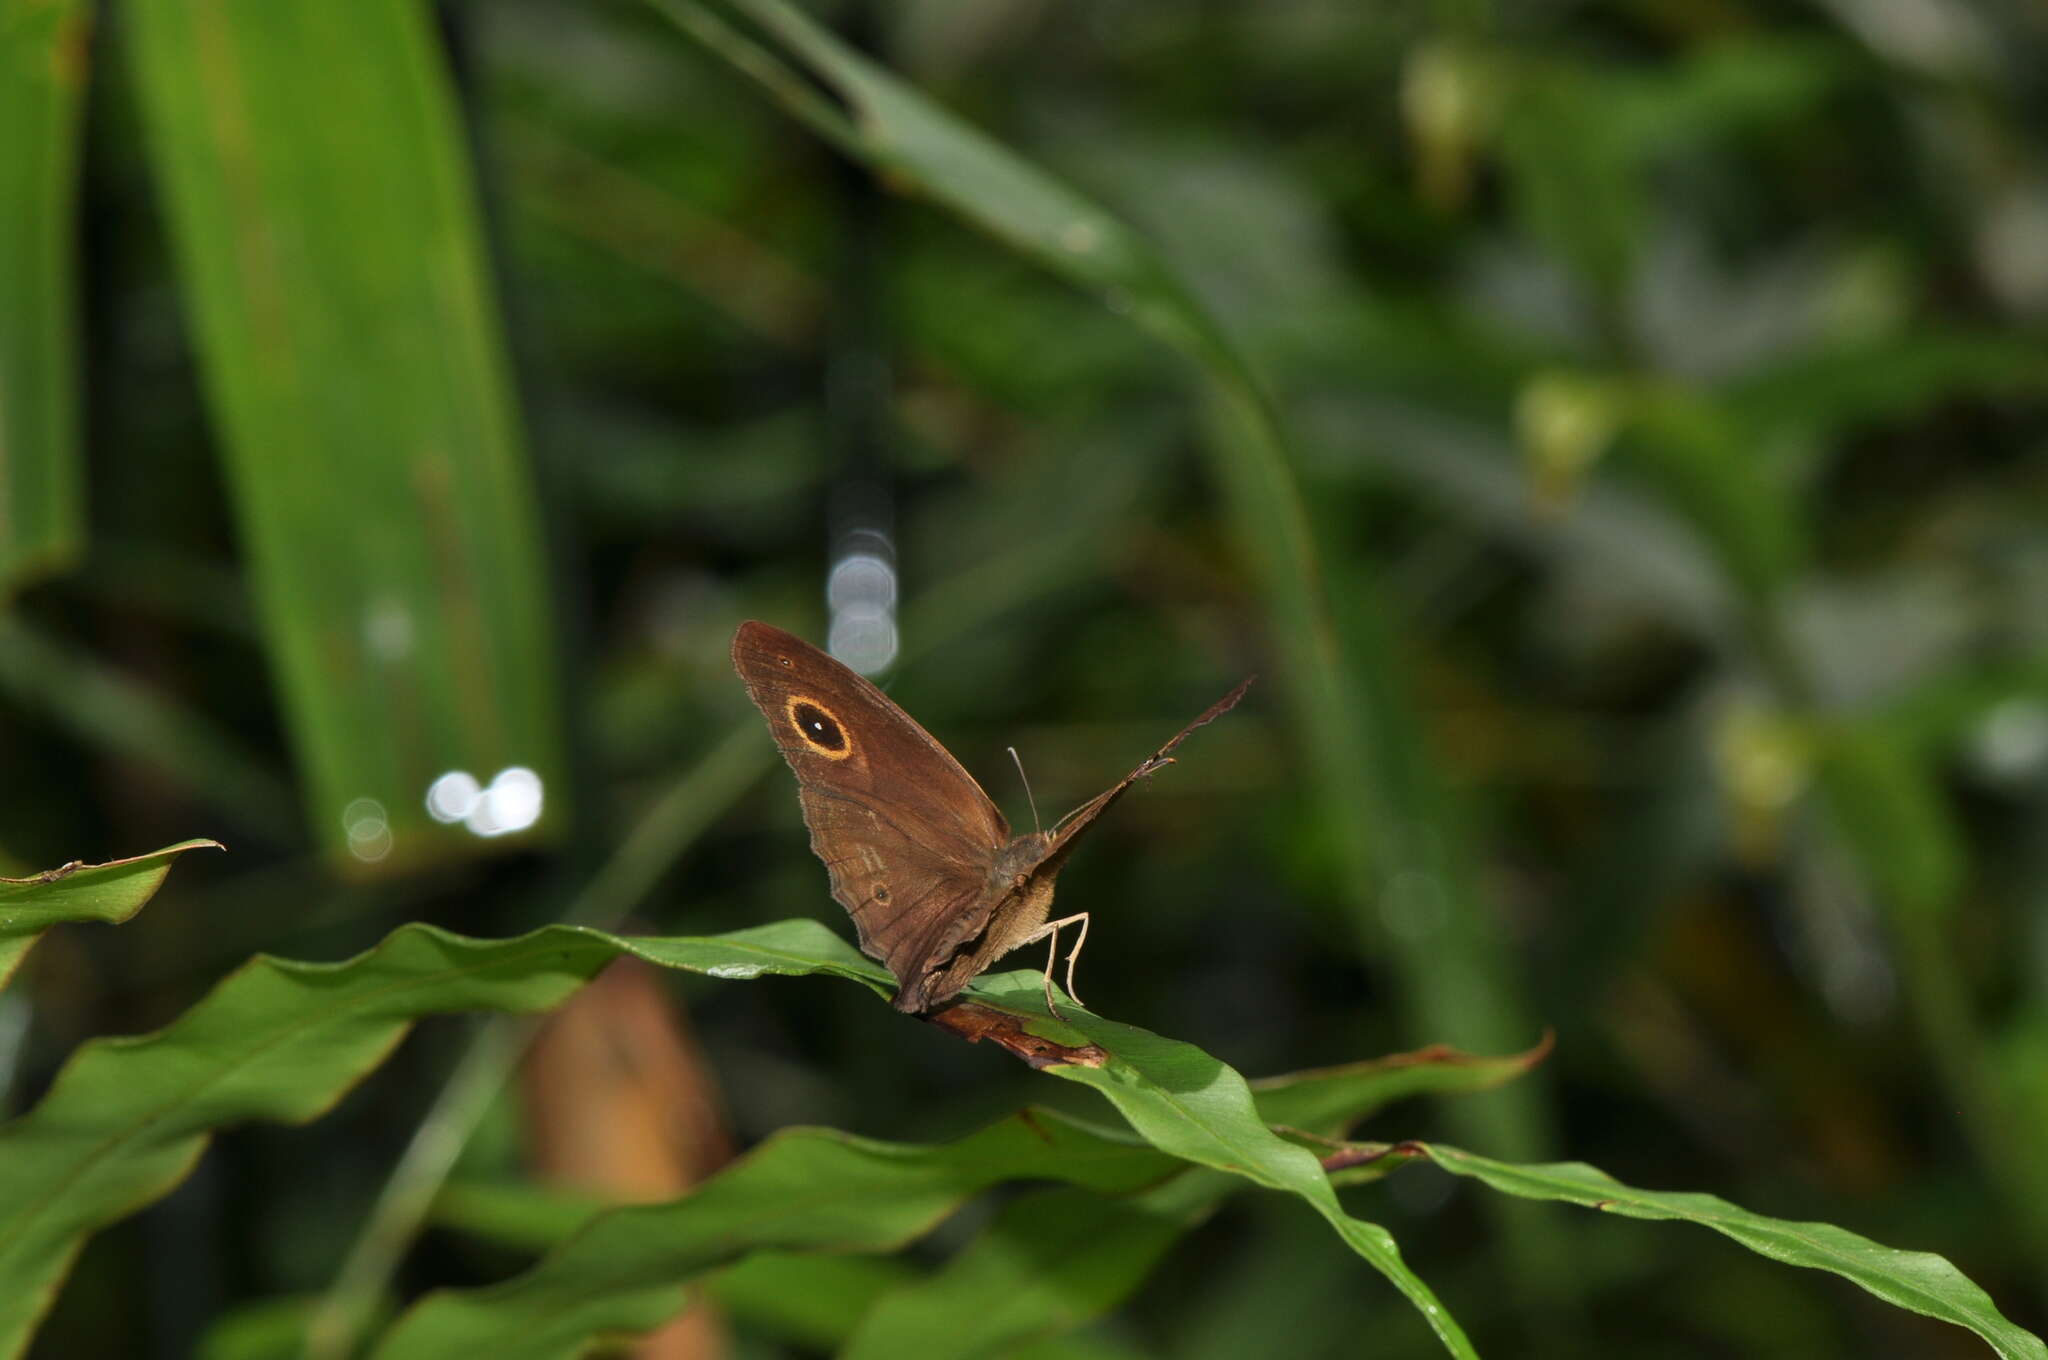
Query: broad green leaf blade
{"points": [[626, 1272], [805, 1189], [110, 892], [1918, 1281], [43, 66], [521, 1215], [1329, 1100], [814, 1300], [266, 1329], [127, 1118], [313, 170], [1048, 1263], [1193, 1106]]}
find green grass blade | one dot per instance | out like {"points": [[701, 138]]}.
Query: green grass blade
{"points": [[110, 892], [43, 63], [1187, 1103], [808, 1189], [813, 1300], [519, 1215], [1050, 1262], [1330, 1100], [626, 1271], [313, 171], [1918, 1281]]}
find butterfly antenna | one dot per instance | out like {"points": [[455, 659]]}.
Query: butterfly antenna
{"points": [[1027, 790]]}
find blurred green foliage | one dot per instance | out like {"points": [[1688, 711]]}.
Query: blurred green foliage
{"points": [[1617, 429]]}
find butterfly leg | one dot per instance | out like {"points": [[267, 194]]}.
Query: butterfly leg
{"points": [[1052, 928]]}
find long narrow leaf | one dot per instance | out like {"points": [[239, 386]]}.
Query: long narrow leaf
{"points": [[1182, 1101], [314, 174], [810, 1189], [815, 1300], [1915, 1280], [1330, 1100], [1185, 1102], [43, 52], [1048, 1263], [110, 892]]}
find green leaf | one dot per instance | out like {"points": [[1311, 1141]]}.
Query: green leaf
{"points": [[1048, 1263], [126, 1119], [110, 892], [317, 191], [815, 1300], [627, 1271], [1918, 1281], [804, 1189], [267, 1329], [517, 1214], [1193, 1106], [1330, 1100], [43, 65]]}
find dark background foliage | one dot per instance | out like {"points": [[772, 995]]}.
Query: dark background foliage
{"points": [[1665, 388]]}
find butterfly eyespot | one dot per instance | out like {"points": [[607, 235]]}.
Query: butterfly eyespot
{"points": [[881, 892], [820, 730]]}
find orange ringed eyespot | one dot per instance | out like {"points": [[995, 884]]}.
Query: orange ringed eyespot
{"points": [[818, 728]]}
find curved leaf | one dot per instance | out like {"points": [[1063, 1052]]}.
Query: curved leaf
{"points": [[812, 1299], [342, 307], [127, 1118], [1329, 1100], [804, 1189], [44, 60], [1048, 1263], [110, 892], [1182, 1101], [1915, 1280], [1187, 1103]]}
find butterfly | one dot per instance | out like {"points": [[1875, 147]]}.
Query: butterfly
{"points": [[937, 886]]}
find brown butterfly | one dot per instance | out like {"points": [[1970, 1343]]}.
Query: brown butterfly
{"points": [[938, 887]]}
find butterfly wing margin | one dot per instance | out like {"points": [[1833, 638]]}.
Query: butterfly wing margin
{"points": [[906, 900], [907, 836]]}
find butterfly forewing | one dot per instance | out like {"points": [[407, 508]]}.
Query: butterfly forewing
{"points": [[906, 835], [917, 853]]}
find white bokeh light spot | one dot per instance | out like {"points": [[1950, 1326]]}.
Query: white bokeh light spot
{"points": [[453, 796], [368, 828], [511, 803]]}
